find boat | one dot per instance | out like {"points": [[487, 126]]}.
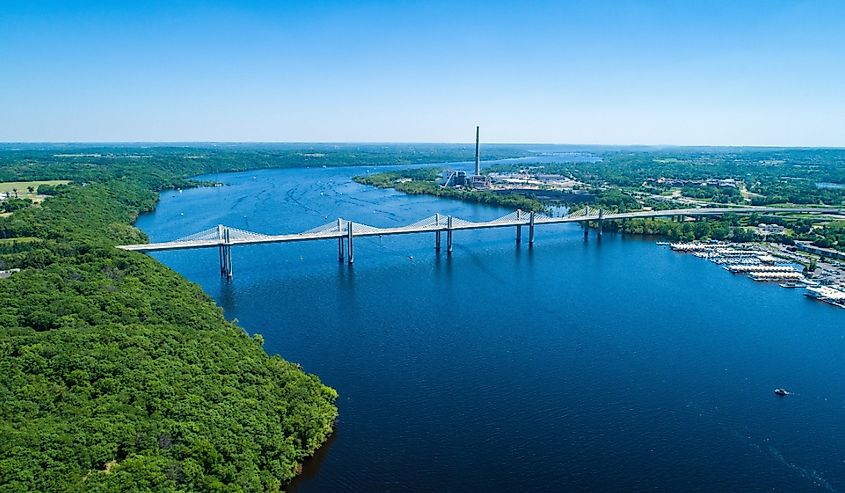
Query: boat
{"points": [[782, 392], [827, 294], [788, 285]]}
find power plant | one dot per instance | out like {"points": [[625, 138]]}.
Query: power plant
{"points": [[459, 178], [478, 180]]}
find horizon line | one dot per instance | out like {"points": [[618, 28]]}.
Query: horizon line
{"points": [[187, 143]]}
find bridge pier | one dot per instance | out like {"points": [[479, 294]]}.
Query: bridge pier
{"points": [[340, 240], [586, 226], [351, 252], [531, 229], [220, 251], [519, 227], [601, 222], [225, 253], [229, 271], [449, 235], [437, 233]]}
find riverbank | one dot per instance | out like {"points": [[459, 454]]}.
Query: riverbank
{"points": [[118, 371], [422, 182]]}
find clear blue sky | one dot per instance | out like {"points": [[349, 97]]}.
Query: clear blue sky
{"points": [[592, 72]]}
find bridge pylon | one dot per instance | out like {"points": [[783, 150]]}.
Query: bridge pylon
{"points": [[519, 226]]}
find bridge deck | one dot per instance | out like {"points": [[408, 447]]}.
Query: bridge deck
{"points": [[460, 225]]}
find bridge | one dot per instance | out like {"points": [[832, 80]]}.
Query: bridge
{"points": [[224, 237]]}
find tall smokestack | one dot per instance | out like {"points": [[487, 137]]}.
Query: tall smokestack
{"points": [[477, 162]]}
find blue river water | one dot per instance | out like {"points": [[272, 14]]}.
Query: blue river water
{"points": [[609, 364]]}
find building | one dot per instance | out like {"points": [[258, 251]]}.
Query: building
{"points": [[479, 181], [453, 178], [808, 247], [770, 229]]}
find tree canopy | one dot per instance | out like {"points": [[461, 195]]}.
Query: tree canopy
{"points": [[119, 374]]}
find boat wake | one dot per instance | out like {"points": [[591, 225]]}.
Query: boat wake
{"points": [[806, 473], [768, 450]]}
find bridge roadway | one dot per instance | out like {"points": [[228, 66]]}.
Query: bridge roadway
{"points": [[443, 225], [224, 237]]}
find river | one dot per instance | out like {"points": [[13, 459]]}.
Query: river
{"points": [[598, 365]]}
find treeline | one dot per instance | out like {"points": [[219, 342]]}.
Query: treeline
{"points": [[120, 375], [831, 235], [160, 167], [734, 228], [776, 176], [14, 204], [684, 231], [423, 181], [721, 195]]}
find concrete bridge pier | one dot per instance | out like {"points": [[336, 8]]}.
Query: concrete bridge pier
{"points": [[351, 251], [225, 253], [531, 229], [220, 251], [518, 228], [601, 221], [229, 268], [586, 226], [437, 233], [449, 234], [340, 244]]}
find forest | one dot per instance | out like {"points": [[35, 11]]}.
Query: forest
{"points": [[120, 375]]}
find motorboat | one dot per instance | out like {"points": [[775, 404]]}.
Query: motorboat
{"points": [[782, 392]]}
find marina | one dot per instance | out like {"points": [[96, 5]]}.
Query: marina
{"points": [[763, 265]]}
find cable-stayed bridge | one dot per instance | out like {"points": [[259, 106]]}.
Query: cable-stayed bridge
{"points": [[225, 237]]}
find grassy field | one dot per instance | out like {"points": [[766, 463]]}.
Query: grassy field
{"points": [[23, 188], [22, 239]]}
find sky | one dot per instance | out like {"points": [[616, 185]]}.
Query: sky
{"points": [[651, 72]]}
